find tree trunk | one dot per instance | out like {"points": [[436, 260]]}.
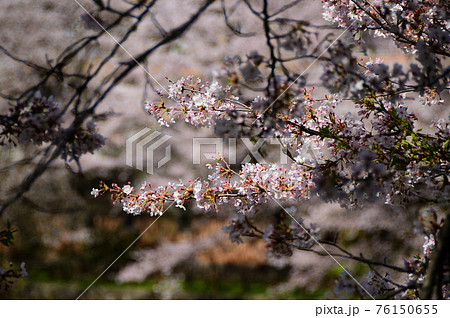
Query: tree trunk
{"points": [[433, 280]]}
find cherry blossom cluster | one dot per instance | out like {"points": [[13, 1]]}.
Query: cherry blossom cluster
{"points": [[86, 140], [431, 98], [238, 228], [340, 69], [374, 283], [417, 266], [39, 121], [363, 146], [284, 235], [443, 127], [196, 104], [255, 184], [380, 285], [345, 74], [281, 236], [408, 22], [36, 122]]}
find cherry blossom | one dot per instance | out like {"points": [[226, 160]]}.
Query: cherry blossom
{"points": [[196, 104], [377, 153]]}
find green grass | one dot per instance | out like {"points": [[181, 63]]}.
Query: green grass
{"points": [[201, 288], [44, 287]]}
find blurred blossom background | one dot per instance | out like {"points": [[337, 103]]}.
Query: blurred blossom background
{"points": [[67, 238]]}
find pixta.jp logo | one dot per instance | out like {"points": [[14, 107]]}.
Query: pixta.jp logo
{"points": [[142, 147]]}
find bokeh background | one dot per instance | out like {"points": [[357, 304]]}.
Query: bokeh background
{"points": [[67, 238]]}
